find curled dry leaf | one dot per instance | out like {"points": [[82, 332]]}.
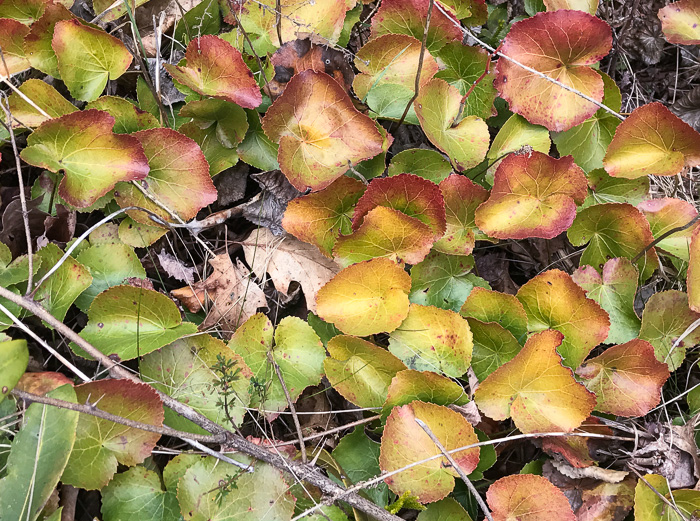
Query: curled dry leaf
{"points": [[287, 260], [229, 294]]}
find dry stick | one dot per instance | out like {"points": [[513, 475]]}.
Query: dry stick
{"points": [[498, 53], [290, 403], [457, 467], [278, 20], [18, 323], [22, 196], [333, 431], [304, 472], [664, 235], [416, 86]]}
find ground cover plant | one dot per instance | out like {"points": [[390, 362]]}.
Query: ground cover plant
{"points": [[344, 260]]}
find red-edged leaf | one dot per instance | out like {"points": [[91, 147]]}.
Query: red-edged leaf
{"points": [[101, 444], [405, 442], [680, 22], [407, 193], [553, 300], [385, 232], [665, 214], [409, 17], [12, 34], [534, 195], [526, 497], [626, 378], [179, 177], [320, 217], [92, 158], [319, 131], [462, 197], [37, 44], [215, 68], [652, 141], [613, 230], [536, 390], [366, 298], [437, 107], [562, 45]]}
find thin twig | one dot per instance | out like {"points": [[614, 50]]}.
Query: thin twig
{"points": [[457, 467], [332, 431], [24, 97], [22, 195], [664, 235], [292, 409], [278, 20], [416, 86], [18, 323]]}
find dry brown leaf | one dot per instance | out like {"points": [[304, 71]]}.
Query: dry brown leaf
{"points": [[286, 260], [229, 294]]}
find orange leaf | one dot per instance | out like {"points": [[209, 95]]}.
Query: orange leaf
{"points": [[319, 131], [536, 390], [526, 497]]}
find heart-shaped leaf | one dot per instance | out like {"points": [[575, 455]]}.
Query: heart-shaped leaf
{"points": [[405, 442], [437, 107], [492, 306], [385, 232], [213, 67], [680, 21], [407, 193], [529, 498], [229, 121], [462, 197], [297, 351], [319, 131], [186, 371], [536, 390], [366, 298], [360, 370], [433, 339], [443, 281], [320, 217], [614, 291], [626, 378], [178, 178], [666, 317], [561, 45], [392, 59], [409, 17], [129, 322], [101, 444], [613, 230], [552, 300], [92, 158], [534, 195], [88, 58], [665, 214], [652, 140]]}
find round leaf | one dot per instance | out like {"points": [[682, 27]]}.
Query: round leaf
{"points": [[527, 497], [405, 442], [536, 390], [366, 298], [561, 45]]}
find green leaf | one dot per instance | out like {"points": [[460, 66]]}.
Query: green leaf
{"points": [[66, 284], [14, 357], [444, 510], [83, 147], [14, 271], [109, 264], [297, 351], [100, 443], [494, 345], [38, 456], [608, 189], [128, 117], [262, 495], [388, 101], [257, 149], [129, 322], [88, 58], [184, 370], [217, 155], [359, 457], [444, 281], [138, 494], [428, 164], [204, 18], [45, 97]]}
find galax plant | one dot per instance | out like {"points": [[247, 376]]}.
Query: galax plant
{"points": [[397, 143]]}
